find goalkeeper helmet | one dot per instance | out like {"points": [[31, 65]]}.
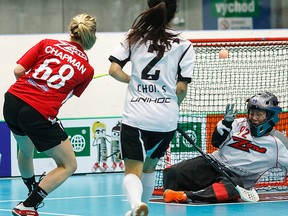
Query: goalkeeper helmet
{"points": [[269, 103]]}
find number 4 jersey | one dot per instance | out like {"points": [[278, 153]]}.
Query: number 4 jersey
{"points": [[55, 70], [151, 101]]}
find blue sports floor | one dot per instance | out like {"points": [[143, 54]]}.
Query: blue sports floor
{"points": [[102, 195]]}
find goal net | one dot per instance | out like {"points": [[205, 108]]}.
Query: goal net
{"points": [[253, 65]]}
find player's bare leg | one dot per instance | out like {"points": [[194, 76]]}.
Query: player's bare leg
{"points": [[65, 159], [25, 156]]}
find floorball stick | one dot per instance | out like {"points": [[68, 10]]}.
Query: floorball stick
{"points": [[100, 75], [246, 195]]}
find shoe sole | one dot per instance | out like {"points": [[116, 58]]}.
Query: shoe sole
{"points": [[142, 210], [16, 214], [13, 213]]}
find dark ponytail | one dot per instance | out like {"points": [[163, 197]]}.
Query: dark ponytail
{"points": [[151, 25]]}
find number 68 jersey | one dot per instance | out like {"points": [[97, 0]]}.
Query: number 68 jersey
{"points": [[54, 71], [151, 101]]}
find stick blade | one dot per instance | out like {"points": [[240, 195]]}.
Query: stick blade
{"points": [[248, 195]]}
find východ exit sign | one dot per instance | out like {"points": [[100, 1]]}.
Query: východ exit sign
{"points": [[234, 8]]}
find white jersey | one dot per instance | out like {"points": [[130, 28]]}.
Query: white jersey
{"points": [[248, 156], [151, 102]]}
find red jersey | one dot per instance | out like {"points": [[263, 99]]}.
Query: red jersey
{"points": [[55, 70]]}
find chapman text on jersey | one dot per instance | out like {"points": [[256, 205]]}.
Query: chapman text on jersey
{"points": [[68, 58]]}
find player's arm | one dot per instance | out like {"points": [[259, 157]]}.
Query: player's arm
{"points": [[186, 66], [181, 90], [19, 71], [220, 134], [117, 73], [28, 60], [224, 127]]}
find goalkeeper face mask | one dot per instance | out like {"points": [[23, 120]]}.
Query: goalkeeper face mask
{"points": [[257, 116], [267, 102]]}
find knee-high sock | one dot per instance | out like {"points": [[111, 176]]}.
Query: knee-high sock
{"points": [[133, 189], [148, 182]]}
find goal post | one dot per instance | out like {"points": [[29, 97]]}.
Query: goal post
{"points": [[253, 65]]}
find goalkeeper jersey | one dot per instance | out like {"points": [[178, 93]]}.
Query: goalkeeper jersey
{"points": [[250, 156], [151, 101]]}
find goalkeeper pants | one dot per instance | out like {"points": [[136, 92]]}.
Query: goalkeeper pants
{"points": [[199, 180], [218, 192]]}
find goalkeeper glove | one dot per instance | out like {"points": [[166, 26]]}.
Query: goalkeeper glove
{"points": [[226, 124], [230, 114]]}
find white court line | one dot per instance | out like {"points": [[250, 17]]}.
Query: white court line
{"points": [[43, 213], [59, 198], [83, 197], [214, 204], [65, 198]]}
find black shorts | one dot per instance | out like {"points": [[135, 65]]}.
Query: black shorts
{"points": [[136, 144], [24, 120]]}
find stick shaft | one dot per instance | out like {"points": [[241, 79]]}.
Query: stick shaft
{"points": [[246, 195], [100, 75], [206, 157]]}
